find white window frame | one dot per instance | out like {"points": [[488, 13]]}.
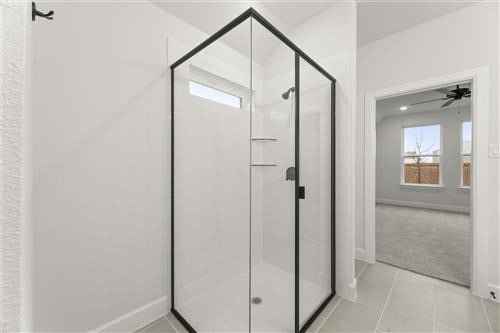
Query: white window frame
{"points": [[402, 158], [462, 154]]}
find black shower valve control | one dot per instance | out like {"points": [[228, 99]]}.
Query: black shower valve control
{"points": [[302, 192]]}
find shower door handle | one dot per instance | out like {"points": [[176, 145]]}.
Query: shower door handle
{"points": [[302, 192]]}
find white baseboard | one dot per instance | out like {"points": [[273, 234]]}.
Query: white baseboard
{"points": [[495, 289], [456, 209], [349, 290], [353, 290], [136, 319]]}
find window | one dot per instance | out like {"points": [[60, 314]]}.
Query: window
{"points": [[466, 152], [421, 159], [213, 94]]}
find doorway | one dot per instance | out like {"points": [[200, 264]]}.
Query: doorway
{"points": [[423, 163], [479, 80]]}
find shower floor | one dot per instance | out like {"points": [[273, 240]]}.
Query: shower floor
{"points": [[225, 307]]}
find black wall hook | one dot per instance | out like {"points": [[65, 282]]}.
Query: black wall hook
{"points": [[35, 13]]}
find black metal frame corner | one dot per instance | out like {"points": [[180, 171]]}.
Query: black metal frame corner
{"points": [[299, 54], [250, 12], [297, 189]]}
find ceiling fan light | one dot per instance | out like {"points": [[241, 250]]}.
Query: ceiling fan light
{"points": [[403, 108]]}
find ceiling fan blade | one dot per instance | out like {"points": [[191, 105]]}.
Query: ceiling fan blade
{"points": [[444, 91], [432, 100], [447, 103]]}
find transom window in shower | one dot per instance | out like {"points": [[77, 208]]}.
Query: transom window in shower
{"points": [[214, 94]]}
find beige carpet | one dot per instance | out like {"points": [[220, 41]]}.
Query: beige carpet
{"points": [[429, 242]]}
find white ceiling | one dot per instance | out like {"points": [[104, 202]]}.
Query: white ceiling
{"points": [[294, 13], [210, 16], [378, 19], [389, 107]]}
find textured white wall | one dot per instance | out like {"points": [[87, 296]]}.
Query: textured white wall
{"points": [[416, 54], [15, 178], [388, 181]]}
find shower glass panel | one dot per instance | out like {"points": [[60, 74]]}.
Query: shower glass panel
{"points": [[211, 192], [273, 195], [252, 227], [315, 151]]}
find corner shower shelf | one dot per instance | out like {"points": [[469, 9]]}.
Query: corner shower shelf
{"points": [[264, 164], [264, 139]]}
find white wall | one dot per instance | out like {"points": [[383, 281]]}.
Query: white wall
{"points": [[388, 182], [101, 164], [416, 54]]}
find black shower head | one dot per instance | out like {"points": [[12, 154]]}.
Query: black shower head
{"points": [[286, 94]]}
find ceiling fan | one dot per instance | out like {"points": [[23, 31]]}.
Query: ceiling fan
{"points": [[451, 96]]}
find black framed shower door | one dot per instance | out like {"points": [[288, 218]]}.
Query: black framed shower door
{"points": [[303, 65]]}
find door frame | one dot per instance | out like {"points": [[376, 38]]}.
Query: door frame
{"points": [[298, 197], [480, 102]]}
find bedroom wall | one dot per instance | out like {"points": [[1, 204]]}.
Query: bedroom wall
{"points": [[416, 54], [450, 196]]}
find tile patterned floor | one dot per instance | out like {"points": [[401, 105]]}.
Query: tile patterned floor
{"points": [[394, 300]]}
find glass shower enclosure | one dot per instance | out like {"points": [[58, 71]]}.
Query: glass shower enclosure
{"points": [[253, 182]]}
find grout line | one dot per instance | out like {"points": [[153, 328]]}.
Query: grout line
{"points": [[357, 277], [362, 270], [151, 324], [450, 328], [387, 300], [333, 309], [329, 314], [486, 315], [171, 324]]}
